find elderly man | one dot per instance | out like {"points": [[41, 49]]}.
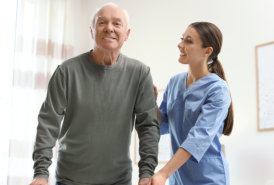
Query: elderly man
{"points": [[98, 96]]}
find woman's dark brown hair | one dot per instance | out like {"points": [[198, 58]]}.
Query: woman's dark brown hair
{"points": [[211, 36]]}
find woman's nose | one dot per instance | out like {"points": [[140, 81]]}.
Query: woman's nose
{"points": [[180, 45]]}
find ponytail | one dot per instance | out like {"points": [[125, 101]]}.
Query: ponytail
{"points": [[216, 67], [211, 36]]}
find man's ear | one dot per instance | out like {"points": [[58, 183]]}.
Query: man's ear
{"points": [[91, 32], [128, 32]]}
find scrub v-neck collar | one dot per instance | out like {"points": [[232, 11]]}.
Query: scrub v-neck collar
{"points": [[199, 81]]}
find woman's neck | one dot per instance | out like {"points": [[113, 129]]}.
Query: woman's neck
{"points": [[195, 73]]}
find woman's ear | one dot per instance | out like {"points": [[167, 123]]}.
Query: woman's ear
{"points": [[208, 51]]}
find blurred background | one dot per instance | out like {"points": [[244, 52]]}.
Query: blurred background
{"points": [[38, 35]]}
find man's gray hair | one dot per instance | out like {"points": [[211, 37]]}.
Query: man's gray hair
{"points": [[93, 17]]}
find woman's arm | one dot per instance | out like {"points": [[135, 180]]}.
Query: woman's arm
{"points": [[180, 157]]}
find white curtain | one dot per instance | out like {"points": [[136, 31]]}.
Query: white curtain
{"points": [[44, 35], [7, 32]]}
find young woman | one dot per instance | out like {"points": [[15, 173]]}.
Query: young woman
{"points": [[196, 110]]}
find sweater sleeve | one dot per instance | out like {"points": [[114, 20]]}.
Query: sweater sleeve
{"points": [[147, 126], [49, 120]]}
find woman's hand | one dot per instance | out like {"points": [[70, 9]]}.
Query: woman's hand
{"points": [[155, 92], [158, 179]]}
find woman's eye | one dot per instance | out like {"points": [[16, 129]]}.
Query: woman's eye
{"points": [[188, 41]]}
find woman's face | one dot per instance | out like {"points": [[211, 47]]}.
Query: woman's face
{"points": [[191, 50]]}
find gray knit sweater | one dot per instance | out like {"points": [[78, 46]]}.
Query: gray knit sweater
{"points": [[91, 109]]}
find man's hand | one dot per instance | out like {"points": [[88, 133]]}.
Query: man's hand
{"points": [[144, 181], [39, 181]]}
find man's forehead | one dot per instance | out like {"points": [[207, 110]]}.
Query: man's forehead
{"points": [[111, 13], [113, 10], [104, 18]]}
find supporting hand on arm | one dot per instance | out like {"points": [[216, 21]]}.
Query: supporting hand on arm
{"points": [[180, 157], [159, 114]]}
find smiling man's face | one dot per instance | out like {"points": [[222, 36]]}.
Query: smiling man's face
{"points": [[110, 29]]}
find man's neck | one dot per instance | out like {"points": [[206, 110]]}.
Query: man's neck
{"points": [[104, 57]]}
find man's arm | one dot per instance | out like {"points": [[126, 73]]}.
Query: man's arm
{"points": [[147, 127], [49, 120]]}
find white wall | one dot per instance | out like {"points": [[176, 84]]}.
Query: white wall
{"points": [[156, 30]]}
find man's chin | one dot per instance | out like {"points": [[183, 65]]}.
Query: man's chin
{"points": [[111, 48]]}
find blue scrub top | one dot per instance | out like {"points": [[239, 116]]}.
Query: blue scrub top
{"points": [[194, 118]]}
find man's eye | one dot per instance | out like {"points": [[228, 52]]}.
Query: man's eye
{"points": [[101, 22], [117, 23]]}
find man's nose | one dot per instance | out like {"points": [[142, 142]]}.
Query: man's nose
{"points": [[109, 28]]}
